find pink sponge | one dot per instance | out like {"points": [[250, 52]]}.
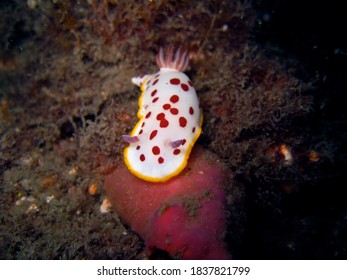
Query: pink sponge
{"points": [[184, 216]]}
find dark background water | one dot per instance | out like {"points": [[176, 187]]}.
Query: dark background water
{"points": [[313, 32]]}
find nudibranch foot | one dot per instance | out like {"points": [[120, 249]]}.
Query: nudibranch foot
{"points": [[168, 111]]}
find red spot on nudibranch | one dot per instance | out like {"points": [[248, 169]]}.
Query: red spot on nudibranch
{"points": [[175, 81], [154, 92], [174, 111], [156, 76], [156, 150], [156, 81], [138, 147], [184, 87], [141, 131], [160, 116], [193, 130], [174, 98], [155, 99], [153, 134], [190, 83], [142, 157], [191, 110], [166, 106], [183, 141], [148, 115], [143, 124], [182, 121], [160, 160], [164, 123], [176, 152]]}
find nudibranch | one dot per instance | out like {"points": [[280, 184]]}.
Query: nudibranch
{"points": [[170, 120]]}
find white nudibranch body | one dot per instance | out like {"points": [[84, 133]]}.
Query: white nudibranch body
{"points": [[169, 123]]}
